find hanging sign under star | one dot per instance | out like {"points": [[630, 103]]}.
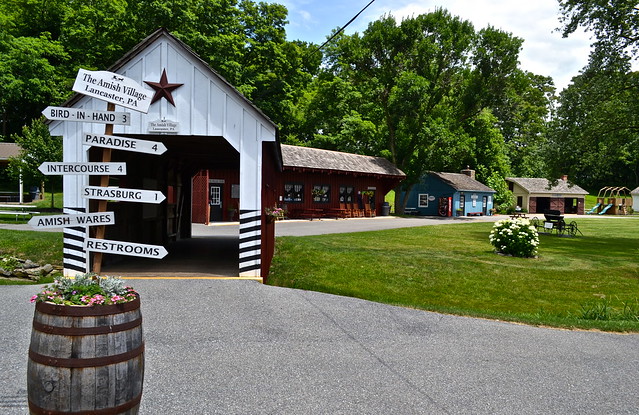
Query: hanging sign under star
{"points": [[163, 88]]}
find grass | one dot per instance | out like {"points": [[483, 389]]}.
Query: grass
{"points": [[452, 269], [39, 247]]}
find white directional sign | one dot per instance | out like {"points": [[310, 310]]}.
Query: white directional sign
{"points": [[123, 143], [80, 115], [81, 219], [125, 248], [115, 88], [122, 194], [107, 169]]}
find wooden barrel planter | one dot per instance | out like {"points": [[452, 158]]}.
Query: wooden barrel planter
{"points": [[86, 359]]}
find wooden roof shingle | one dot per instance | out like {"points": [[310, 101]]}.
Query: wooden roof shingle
{"points": [[328, 160], [540, 185], [8, 150], [462, 182]]}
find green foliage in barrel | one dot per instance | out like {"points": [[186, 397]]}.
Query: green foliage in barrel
{"points": [[86, 289]]}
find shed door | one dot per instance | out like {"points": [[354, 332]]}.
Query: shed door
{"points": [[215, 200]]}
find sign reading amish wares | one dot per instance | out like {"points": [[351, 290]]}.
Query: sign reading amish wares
{"points": [[82, 219], [114, 88]]}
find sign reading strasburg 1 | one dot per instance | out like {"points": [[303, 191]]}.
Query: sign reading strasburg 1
{"points": [[122, 194], [114, 88], [81, 219], [80, 115], [125, 248], [123, 143]]}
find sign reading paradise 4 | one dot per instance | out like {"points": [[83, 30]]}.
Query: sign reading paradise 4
{"points": [[114, 88]]}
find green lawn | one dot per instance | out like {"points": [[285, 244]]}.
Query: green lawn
{"points": [[452, 269]]}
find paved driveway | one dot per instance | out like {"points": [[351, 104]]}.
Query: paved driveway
{"points": [[239, 347]]}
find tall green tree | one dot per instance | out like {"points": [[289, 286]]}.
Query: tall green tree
{"points": [[424, 93], [37, 146]]}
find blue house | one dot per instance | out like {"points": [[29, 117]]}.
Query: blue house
{"points": [[450, 194]]}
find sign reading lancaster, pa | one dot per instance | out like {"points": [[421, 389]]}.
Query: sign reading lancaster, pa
{"points": [[80, 219], [80, 115], [125, 248], [114, 88], [123, 143], [122, 194], [92, 168]]}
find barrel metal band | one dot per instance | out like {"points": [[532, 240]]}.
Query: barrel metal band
{"points": [[89, 362], [84, 311], [86, 331], [36, 410]]}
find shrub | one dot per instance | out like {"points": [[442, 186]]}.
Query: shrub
{"points": [[515, 237]]}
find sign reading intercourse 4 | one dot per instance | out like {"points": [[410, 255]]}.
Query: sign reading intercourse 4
{"points": [[123, 143], [122, 194], [81, 219], [91, 168], [114, 88], [80, 115], [125, 248]]}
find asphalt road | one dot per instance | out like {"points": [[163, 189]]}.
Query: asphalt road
{"points": [[239, 347]]}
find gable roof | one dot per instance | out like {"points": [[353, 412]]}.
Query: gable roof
{"points": [[462, 182], [8, 150], [635, 192], [539, 185], [295, 157], [149, 40]]}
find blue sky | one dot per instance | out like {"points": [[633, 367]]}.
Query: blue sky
{"points": [[544, 51]]}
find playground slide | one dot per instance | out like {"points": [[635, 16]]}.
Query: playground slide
{"points": [[594, 209], [605, 209]]}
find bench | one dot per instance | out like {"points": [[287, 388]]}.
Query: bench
{"points": [[17, 213], [410, 211], [474, 214]]}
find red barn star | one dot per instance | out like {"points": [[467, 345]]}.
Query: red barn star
{"points": [[163, 88]]}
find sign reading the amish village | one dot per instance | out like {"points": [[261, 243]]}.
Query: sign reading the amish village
{"points": [[91, 168], [125, 248], [81, 219], [114, 88], [123, 143], [80, 115], [163, 126], [122, 194]]}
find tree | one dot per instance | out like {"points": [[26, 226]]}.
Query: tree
{"points": [[37, 147], [423, 93]]}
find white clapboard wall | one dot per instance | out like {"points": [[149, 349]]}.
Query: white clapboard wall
{"points": [[206, 105]]}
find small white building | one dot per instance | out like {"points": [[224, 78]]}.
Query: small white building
{"points": [[536, 195], [204, 122]]}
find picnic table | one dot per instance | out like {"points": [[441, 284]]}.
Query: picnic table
{"points": [[18, 210]]}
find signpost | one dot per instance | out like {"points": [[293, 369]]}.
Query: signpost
{"points": [[115, 169], [80, 115], [114, 88], [122, 194], [125, 248], [81, 219], [123, 143]]}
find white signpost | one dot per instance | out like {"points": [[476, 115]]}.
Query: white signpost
{"points": [[80, 115], [123, 143], [122, 194], [114, 88], [91, 168], [125, 248], [81, 219]]}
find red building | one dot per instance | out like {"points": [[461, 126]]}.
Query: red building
{"points": [[307, 182]]}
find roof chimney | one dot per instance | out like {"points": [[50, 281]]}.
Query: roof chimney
{"points": [[468, 172], [564, 177]]}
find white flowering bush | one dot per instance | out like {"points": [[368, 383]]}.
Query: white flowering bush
{"points": [[515, 237]]}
